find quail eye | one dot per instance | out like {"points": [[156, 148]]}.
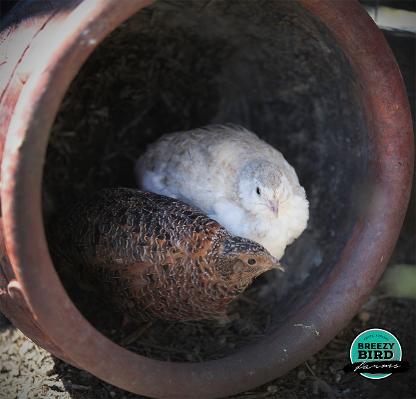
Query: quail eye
{"points": [[258, 190], [251, 261]]}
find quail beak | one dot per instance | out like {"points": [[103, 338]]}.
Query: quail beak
{"points": [[274, 208], [278, 266]]}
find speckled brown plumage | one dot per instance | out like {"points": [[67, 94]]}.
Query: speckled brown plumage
{"points": [[156, 256]]}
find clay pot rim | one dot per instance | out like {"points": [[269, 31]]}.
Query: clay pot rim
{"points": [[361, 263]]}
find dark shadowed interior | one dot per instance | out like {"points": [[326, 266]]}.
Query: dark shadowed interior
{"points": [[177, 65]]}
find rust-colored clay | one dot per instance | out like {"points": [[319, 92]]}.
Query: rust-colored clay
{"points": [[40, 53]]}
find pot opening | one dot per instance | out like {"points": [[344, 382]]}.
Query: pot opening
{"points": [[176, 65]]}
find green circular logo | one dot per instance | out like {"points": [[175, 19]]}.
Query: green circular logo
{"points": [[373, 346]]}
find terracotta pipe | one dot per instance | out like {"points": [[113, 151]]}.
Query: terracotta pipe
{"points": [[40, 53]]}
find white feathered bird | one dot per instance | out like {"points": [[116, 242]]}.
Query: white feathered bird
{"points": [[233, 176]]}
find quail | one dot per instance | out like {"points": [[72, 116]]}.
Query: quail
{"points": [[233, 176], [156, 257]]}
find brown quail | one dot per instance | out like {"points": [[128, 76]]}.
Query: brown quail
{"points": [[156, 256]]}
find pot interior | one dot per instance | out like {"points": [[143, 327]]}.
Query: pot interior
{"points": [[269, 66]]}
